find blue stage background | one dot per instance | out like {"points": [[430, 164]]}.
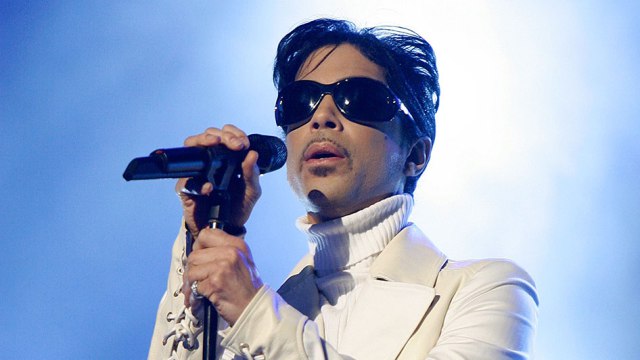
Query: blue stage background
{"points": [[536, 159]]}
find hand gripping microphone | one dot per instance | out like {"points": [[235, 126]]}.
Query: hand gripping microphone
{"points": [[221, 167]]}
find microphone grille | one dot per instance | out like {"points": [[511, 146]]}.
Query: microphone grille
{"points": [[272, 152]]}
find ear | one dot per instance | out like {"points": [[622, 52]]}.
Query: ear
{"points": [[418, 157]]}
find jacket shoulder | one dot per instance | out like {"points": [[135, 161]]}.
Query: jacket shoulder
{"points": [[483, 275], [486, 267]]}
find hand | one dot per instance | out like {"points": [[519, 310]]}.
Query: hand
{"points": [[195, 208], [225, 271]]}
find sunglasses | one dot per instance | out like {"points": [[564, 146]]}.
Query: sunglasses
{"points": [[359, 99]]}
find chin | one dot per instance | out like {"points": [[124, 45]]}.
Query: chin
{"points": [[321, 207], [331, 204], [316, 199]]}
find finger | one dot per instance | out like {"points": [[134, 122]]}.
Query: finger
{"points": [[251, 176], [234, 130], [180, 184], [216, 274], [214, 238], [215, 267], [229, 135], [186, 290], [193, 301], [196, 186], [190, 299], [189, 187], [209, 137], [234, 138], [191, 279], [214, 257]]}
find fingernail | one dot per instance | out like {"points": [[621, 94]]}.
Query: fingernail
{"points": [[237, 142]]}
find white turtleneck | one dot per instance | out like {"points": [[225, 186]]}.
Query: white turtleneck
{"points": [[343, 250]]}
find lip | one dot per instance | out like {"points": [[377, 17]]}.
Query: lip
{"points": [[324, 151]]}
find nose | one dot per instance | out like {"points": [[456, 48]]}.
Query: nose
{"points": [[327, 115]]}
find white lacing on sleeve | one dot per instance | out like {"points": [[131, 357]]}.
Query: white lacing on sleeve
{"points": [[186, 326]]}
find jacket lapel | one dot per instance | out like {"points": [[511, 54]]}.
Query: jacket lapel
{"points": [[391, 307], [410, 258], [386, 316], [301, 292]]}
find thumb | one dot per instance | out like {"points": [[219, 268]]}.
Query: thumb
{"points": [[251, 175]]}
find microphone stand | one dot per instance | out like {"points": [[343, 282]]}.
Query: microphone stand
{"points": [[223, 175], [221, 168]]}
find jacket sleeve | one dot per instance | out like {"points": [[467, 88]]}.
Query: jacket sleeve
{"points": [[492, 316], [272, 329], [268, 327], [176, 331]]}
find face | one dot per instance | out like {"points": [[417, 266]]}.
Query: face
{"points": [[337, 166]]}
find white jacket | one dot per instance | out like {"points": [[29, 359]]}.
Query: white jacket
{"points": [[421, 306]]}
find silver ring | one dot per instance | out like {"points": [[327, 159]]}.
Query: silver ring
{"points": [[194, 290]]}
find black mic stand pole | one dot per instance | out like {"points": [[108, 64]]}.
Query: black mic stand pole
{"points": [[223, 175]]}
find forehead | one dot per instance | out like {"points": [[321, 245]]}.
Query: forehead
{"points": [[331, 63]]}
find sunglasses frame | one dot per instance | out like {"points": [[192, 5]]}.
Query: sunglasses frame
{"points": [[329, 89]]}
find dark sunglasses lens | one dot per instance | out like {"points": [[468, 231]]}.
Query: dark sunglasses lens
{"points": [[359, 99], [365, 100], [296, 102]]}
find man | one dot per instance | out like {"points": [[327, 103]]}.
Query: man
{"points": [[358, 111]]}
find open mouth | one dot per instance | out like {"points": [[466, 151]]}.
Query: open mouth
{"points": [[322, 151], [322, 155]]}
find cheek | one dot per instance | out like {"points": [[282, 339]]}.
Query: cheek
{"points": [[292, 151], [292, 165], [292, 174], [388, 151], [396, 158], [386, 161]]}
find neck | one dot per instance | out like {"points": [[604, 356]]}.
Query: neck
{"points": [[341, 242]]}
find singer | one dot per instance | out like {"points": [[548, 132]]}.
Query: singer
{"points": [[357, 108]]}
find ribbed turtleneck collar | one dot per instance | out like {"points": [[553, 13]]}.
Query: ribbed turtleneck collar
{"points": [[340, 243]]}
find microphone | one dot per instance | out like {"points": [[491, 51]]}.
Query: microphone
{"points": [[197, 160]]}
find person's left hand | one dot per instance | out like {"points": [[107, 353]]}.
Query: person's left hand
{"points": [[225, 271]]}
